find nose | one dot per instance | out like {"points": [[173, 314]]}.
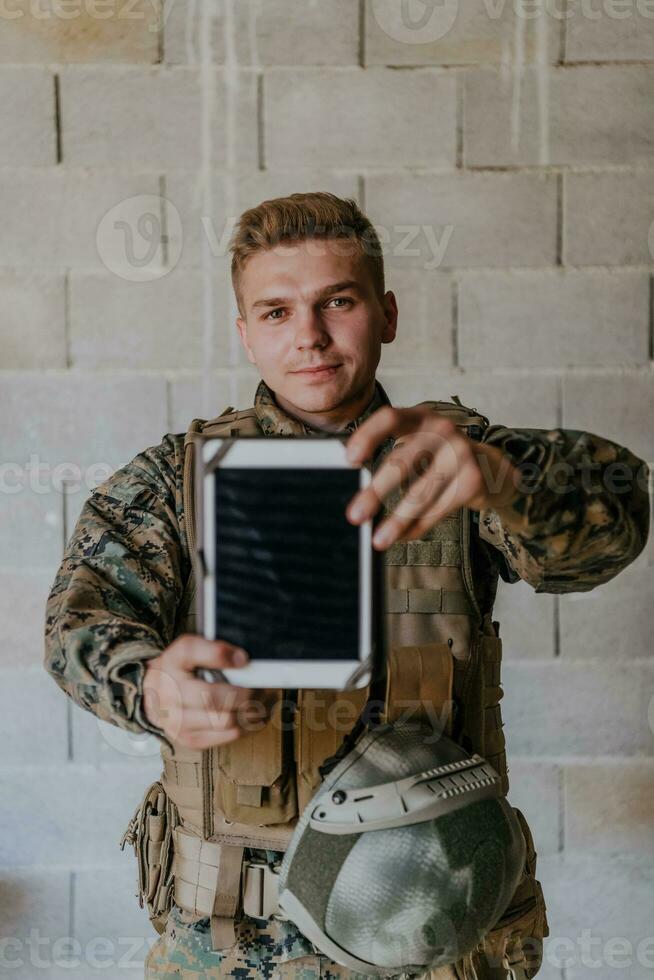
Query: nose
{"points": [[310, 331]]}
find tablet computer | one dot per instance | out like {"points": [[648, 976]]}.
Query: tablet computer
{"points": [[285, 575]]}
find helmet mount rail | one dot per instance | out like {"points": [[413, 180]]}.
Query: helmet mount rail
{"points": [[412, 799]]}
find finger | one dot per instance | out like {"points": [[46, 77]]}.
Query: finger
{"points": [[410, 511], [420, 509], [208, 738], [198, 652], [425, 453], [250, 716], [203, 720], [385, 422], [197, 694]]}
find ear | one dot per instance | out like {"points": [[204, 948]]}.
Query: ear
{"points": [[389, 306], [243, 332]]}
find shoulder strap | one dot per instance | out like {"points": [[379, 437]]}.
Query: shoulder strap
{"points": [[459, 413], [243, 422]]}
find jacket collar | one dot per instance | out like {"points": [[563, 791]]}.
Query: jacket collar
{"points": [[275, 422]]}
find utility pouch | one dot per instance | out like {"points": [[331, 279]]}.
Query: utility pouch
{"points": [[480, 723], [150, 832], [325, 717], [420, 686], [255, 780], [516, 941]]}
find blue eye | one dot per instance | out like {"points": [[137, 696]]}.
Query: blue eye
{"points": [[342, 299]]}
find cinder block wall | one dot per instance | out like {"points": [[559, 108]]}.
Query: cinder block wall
{"points": [[508, 161]]}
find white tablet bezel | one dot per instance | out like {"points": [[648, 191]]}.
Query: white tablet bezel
{"points": [[257, 452]]}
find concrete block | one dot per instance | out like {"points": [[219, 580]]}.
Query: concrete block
{"points": [[268, 33], [519, 399], [507, 398], [526, 621], [600, 916], [134, 325], [96, 423], [593, 115], [609, 808], [474, 32], [65, 833], [254, 187], [54, 217], [611, 32], [614, 405], [23, 594], [534, 789], [27, 118], [34, 914], [114, 932], [86, 32], [34, 331], [376, 109], [613, 622], [32, 519], [150, 118], [187, 398], [410, 387], [464, 219], [245, 386], [552, 319], [33, 717], [424, 335], [609, 219], [556, 708]]}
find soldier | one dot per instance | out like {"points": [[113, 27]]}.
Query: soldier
{"points": [[465, 503]]}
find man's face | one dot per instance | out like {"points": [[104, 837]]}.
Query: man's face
{"points": [[309, 303]]}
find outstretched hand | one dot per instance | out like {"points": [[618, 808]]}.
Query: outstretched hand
{"points": [[437, 468]]}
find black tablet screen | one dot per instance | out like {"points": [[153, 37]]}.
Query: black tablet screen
{"points": [[287, 563]]}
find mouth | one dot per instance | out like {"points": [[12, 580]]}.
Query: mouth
{"points": [[321, 371]]}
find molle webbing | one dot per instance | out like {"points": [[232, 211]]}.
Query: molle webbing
{"points": [[150, 833], [423, 552], [208, 883], [183, 780], [427, 601]]}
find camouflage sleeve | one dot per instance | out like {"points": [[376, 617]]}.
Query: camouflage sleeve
{"points": [[582, 514], [113, 603]]}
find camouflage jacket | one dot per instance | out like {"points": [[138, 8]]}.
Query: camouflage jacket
{"points": [[583, 517]]}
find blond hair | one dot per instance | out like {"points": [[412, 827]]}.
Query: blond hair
{"points": [[299, 216]]}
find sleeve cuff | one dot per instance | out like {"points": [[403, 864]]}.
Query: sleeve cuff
{"points": [[127, 673]]}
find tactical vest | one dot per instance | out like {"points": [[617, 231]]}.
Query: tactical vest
{"points": [[444, 660]]}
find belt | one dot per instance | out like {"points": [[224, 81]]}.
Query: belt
{"points": [[213, 879]]}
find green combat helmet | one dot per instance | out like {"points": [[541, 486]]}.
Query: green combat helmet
{"points": [[406, 856]]}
